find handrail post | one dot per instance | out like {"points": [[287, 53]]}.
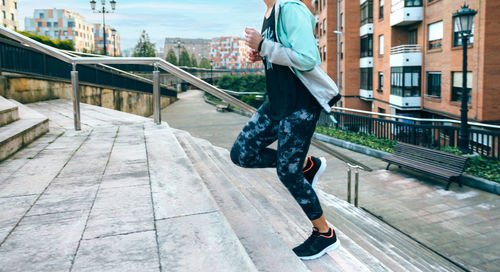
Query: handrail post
{"points": [[156, 95], [76, 97], [356, 186]]}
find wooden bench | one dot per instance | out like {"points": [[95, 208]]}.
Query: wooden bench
{"points": [[432, 162], [222, 107]]}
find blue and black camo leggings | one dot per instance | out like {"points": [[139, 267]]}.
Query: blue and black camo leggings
{"points": [[294, 134]]}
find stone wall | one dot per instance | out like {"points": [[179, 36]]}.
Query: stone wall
{"points": [[30, 90]]}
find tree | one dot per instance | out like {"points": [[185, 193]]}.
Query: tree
{"points": [[184, 59], [193, 61], [204, 63], [65, 44], [144, 47], [171, 57]]}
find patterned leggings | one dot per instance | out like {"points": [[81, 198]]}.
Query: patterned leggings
{"points": [[294, 134]]}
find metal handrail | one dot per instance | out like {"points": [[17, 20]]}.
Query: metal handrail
{"points": [[416, 119], [158, 63]]}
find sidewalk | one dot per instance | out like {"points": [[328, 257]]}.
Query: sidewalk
{"points": [[460, 224]]}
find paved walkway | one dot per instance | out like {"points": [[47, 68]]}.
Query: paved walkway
{"points": [[461, 224]]}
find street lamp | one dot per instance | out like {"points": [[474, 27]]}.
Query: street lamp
{"points": [[113, 31], [103, 11], [464, 20], [211, 71], [179, 52]]}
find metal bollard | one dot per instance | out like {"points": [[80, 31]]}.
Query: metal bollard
{"points": [[76, 97], [349, 185], [356, 183], [156, 96]]}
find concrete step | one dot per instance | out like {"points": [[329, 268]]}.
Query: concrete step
{"points": [[22, 132], [192, 232], [286, 215], [8, 112], [267, 250]]}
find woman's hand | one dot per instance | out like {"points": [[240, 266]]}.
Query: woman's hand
{"points": [[252, 38], [254, 56]]}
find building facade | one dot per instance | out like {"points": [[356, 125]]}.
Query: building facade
{"points": [[200, 48], [112, 40], [8, 14], [231, 53], [404, 56], [63, 25]]}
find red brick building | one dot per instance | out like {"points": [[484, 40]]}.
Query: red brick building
{"points": [[403, 56]]}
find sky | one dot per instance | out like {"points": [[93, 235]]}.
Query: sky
{"points": [[165, 18]]}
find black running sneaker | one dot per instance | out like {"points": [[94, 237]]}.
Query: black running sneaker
{"points": [[317, 245], [314, 169]]}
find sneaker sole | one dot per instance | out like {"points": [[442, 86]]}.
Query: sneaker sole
{"points": [[321, 169], [323, 252]]}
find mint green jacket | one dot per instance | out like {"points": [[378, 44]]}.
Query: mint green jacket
{"points": [[297, 48]]}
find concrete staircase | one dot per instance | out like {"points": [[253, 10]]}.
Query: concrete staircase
{"points": [[19, 126], [125, 194]]}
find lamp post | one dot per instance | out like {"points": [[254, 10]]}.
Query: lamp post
{"points": [[464, 20], [113, 31], [211, 72], [103, 11], [179, 52]]}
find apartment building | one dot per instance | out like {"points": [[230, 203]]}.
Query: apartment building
{"points": [[8, 14], [404, 56], [63, 25], [200, 48], [112, 40], [231, 53]]}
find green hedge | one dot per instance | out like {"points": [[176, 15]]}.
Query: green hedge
{"points": [[476, 166], [64, 45]]}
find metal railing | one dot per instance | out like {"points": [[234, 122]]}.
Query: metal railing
{"points": [[157, 63], [431, 133], [406, 48]]}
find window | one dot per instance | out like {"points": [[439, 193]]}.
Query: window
{"points": [[457, 38], [324, 53], [413, 3], [341, 20], [367, 12], [381, 110], [56, 24], [324, 26], [380, 9], [4, 14], [47, 33], [320, 29], [456, 90], [412, 36], [341, 50], [71, 24], [380, 81], [3, 2], [49, 24], [367, 46], [405, 81], [12, 16], [39, 24], [41, 15], [56, 33], [436, 35], [381, 44], [341, 80], [15, 5], [366, 76], [434, 84]]}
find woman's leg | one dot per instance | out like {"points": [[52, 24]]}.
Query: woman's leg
{"points": [[294, 138], [250, 148]]}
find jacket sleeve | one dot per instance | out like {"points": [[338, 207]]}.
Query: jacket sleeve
{"points": [[303, 53]]}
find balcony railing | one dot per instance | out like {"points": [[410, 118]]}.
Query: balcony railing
{"points": [[407, 48]]}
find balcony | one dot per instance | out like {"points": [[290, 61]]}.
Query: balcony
{"points": [[366, 95], [406, 55], [406, 12], [366, 62], [366, 29], [405, 103]]}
